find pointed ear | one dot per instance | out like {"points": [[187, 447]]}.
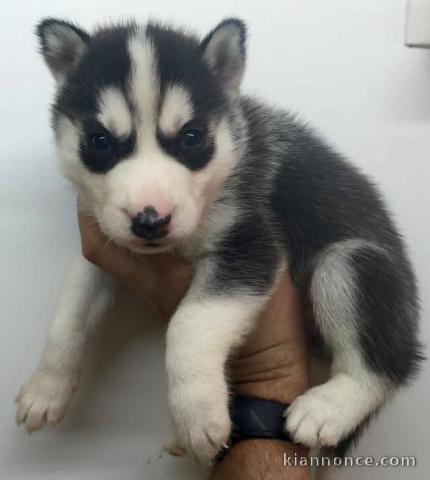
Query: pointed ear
{"points": [[224, 50], [61, 44]]}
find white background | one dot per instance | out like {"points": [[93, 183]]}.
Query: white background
{"points": [[343, 66]]}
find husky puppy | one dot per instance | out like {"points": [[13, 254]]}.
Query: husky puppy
{"points": [[165, 153]]}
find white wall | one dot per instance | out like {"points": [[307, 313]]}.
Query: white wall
{"points": [[341, 64]]}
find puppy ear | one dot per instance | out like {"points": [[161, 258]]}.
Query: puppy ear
{"points": [[225, 51], [61, 44]]}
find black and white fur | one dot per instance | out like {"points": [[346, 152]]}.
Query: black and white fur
{"points": [[261, 191]]}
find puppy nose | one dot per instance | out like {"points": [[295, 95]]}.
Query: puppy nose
{"points": [[147, 224]]}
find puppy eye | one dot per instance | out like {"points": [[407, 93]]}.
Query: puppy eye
{"points": [[191, 138], [100, 143]]}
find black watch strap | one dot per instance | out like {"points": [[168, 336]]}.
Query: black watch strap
{"points": [[255, 418]]}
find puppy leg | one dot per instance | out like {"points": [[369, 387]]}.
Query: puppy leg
{"points": [[365, 308], [45, 396], [326, 414], [200, 337]]}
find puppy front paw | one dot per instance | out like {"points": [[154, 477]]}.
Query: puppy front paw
{"points": [[43, 400], [326, 414], [202, 422]]}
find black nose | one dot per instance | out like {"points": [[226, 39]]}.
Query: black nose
{"points": [[148, 224]]}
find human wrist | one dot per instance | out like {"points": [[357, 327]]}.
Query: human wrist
{"points": [[258, 459]]}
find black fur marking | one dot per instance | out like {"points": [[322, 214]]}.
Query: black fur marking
{"points": [[320, 199], [102, 162], [194, 159], [387, 312], [245, 259], [180, 61], [106, 63]]}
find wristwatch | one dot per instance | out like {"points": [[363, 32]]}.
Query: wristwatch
{"points": [[255, 418]]}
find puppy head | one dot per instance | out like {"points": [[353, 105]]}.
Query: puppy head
{"points": [[143, 123]]}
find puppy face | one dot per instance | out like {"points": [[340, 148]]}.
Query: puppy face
{"points": [[142, 120]]}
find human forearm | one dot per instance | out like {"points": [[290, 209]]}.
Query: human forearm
{"points": [[259, 460], [279, 350]]}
